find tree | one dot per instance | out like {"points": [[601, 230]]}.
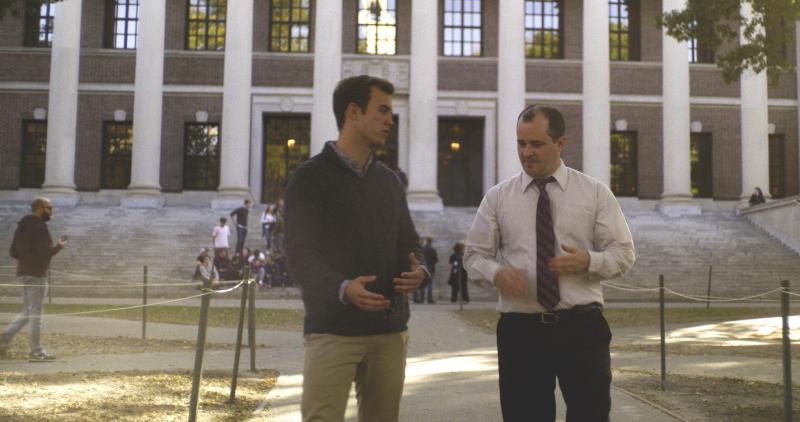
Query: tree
{"points": [[717, 23]]}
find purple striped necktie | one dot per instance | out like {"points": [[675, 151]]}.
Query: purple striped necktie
{"points": [[546, 280]]}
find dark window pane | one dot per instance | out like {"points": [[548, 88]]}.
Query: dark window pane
{"points": [[286, 145], [701, 159], [201, 157], [624, 164], [34, 147], [115, 172], [777, 166]]}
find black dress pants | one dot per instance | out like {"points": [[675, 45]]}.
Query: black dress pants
{"points": [[532, 354]]}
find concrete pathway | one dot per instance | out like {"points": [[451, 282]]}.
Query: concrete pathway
{"points": [[451, 373]]}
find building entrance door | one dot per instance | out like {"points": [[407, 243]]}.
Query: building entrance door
{"points": [[460, 171], [286, 145], [702, 175]]}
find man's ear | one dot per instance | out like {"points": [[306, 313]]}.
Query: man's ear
{"points": [[352, 111], [562, 141]]}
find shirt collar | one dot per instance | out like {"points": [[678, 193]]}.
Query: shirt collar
{"points": [[560, 175], [350, 163]]}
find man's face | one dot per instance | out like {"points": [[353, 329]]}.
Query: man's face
{"points": [[538, 153], [375, 123], [47, 211]]}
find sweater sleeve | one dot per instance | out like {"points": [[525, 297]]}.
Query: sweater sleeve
{"points": [[409, 239], [304, 231]]}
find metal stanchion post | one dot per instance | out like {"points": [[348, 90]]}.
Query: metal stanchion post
{"points": [[663, 332], [708, 294], [239, 329], [205, 303], [787, 353], [460, 288], [144, 303], [251, 325]]}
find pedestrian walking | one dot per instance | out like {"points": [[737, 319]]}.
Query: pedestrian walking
{"points": [[239, 215], [33, 248], [458, 280]]}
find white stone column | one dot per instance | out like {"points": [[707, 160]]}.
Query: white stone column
{"points": [[145, 188], [423, 194], [236, 93], [755, 122], [510, 84], [62, 108], [677, 195], [327, 71], [596, 91], [797, 75]]}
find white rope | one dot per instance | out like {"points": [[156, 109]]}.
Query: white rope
{"points": [[703, 299], [97, 311], [628, 287], [60, 286]]}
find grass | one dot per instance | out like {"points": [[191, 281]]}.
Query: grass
{"points": [[280, 319], [486, 319]]}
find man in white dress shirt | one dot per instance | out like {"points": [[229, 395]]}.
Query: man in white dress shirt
{"points": [[546, 238]]}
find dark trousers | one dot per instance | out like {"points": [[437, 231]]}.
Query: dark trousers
{"points": [[457, 287], [241, 234], [532, 354]]}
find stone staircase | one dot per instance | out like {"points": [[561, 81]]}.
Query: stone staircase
{"points": [[110, 245]]}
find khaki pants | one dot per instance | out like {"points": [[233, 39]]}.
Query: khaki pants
{"points": [[376, 363]]}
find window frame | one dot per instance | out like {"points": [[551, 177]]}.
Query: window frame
{"points": [[290, 22], [33, 26], [25, 165], [207, 24], [628, 191], [377, 25], [699, 53], [106, 171], [111, 20], [559, 31], [462, 28], [197, 187], [634, 10]]}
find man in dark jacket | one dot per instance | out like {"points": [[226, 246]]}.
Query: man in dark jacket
{"points": [[240, 216], [355, 253], [32, 247]]}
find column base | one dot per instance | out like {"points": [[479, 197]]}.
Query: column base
{"points": [[678, 205], [424, 201], [142, 197], [61, 195]]}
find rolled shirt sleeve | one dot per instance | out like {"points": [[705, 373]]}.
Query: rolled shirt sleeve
{"points": [[483, 240]]}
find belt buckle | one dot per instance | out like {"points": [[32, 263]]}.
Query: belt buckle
{"points": [[549, 318]]}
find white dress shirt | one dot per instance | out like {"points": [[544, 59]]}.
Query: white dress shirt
{"points": [[586, 215]]}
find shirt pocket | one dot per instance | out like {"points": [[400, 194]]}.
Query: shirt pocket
{"points": [[575, 225]]}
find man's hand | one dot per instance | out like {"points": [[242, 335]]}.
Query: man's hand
{"points": [[61, 241], [410, 281], [575, 262], [511, 282], [364, 299]]}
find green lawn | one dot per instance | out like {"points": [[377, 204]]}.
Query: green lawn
{"points": [[486, 319], [285, 319]]}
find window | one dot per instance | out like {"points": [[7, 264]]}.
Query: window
{"points": [[624, 29], [377, 27], [115, 168], [460, 161], [122, 19], [39, 25], [201, 157], [543, 29], [777, 166], [701, 174], [699, 52], [34, 148], [462, 28], [290, 25], [624, 168], [205, 25]]}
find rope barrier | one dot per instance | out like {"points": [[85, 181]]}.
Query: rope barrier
{"points": [[702, 299], [188, 283], [98, 311]]}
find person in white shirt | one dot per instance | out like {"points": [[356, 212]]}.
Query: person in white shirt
{"points": [[546, 238], [267, 222], [220, 236]]}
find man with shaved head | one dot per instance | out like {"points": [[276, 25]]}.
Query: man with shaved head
{"points": [[32, 247]]}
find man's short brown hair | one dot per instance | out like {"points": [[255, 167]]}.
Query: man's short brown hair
{"points": [[356, 89]]}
